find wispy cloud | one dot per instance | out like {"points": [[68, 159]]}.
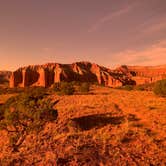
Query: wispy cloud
{"points": [[110, 16], [156, 27], [153, 55]]}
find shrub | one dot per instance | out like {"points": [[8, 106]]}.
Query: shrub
{"points": [[56, 87], [125, 87], [145, 87], [24, 114], [160, 88], [66, 88], [35, 91], [11, 90], [84, 87], [76, 83], [140, 87], [128, 87]]}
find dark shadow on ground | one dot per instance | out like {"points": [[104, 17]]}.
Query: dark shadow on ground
{"points": [[132, 117], [95, 121]]}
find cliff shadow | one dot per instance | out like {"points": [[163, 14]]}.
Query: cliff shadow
{"points": [[32, 77], [50, 74], [70, 75]]}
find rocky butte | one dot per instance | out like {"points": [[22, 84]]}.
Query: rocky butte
{"points": [[48, 74]]}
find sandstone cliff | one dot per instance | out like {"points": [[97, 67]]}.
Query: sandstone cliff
{"points": [[46, 75], [144, 74]]}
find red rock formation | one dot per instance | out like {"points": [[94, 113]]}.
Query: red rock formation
{"points": [[144, 74], [46, 75], [16, 78]]}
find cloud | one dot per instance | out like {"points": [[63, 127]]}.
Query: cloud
{"points": [[110, 16], [153, 55], [158, 25]]}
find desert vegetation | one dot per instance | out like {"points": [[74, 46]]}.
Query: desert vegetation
{"points": [[64, 88], [160, 88], [24, 114], [107, 126], [84, 87], [126, 87], [69, 88]]}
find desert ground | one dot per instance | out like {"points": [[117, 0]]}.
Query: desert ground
{"points": [[102, 128]]}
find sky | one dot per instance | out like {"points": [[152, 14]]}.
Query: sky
{"points": [[106, 32]]}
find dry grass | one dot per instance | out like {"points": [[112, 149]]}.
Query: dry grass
{"points": [[131, 130]]}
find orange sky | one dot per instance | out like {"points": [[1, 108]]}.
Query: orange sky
{"points": [[107, 32]]}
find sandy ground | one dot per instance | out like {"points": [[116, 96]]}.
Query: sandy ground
{"points": [[105, 127]]}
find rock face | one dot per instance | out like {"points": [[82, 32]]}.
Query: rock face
{"points": [[144, 74], [4, 76], [48, 74]]}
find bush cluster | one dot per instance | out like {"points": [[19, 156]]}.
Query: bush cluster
{"points": [[160, 88], [140, 87], [126, 87], [26, 113], [10, 90], [68, 88], [64, 88], [84, 87]]}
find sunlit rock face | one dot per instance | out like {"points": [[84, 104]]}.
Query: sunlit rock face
{"points": [[48, 74], [144, 74]]}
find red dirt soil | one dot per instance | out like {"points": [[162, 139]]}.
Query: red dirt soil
{"points": [[106, 127]]}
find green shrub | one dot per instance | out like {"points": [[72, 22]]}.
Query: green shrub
{"points": [[84, 87], [140, 87], [56, 87], [10, 90], [63, 88], [35, 91], [24, 114], [145, 87], [66, 88], [76, 83], [126, 87], [160, 88]]}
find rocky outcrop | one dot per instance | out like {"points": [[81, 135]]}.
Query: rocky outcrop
{"points": [[48, 74], [144, 74]]}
